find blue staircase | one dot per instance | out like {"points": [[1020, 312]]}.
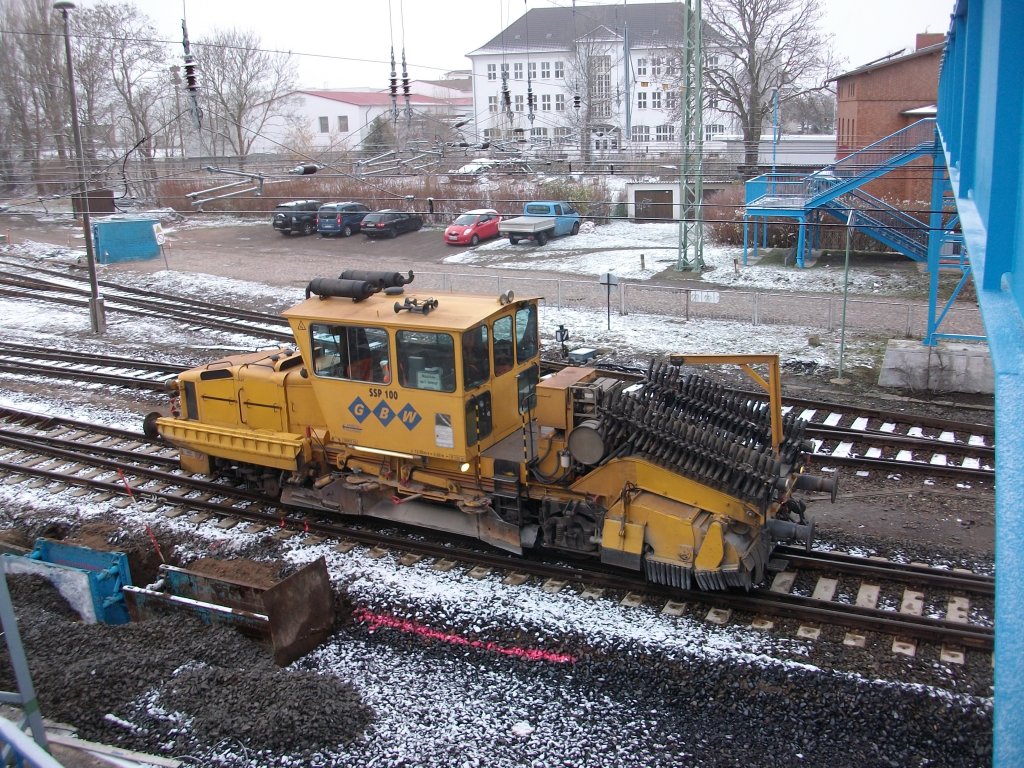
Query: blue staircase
{"points": [[881, 221], [835, 191]]}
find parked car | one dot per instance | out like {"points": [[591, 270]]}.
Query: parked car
{"points": [[541, 220], [473, 226], [296, 216], [340, 218], [390, 223]]}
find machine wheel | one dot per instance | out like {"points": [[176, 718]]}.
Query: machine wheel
{"points": [[576, 228], [308, 228], [474, 240], [346, 231], [392, 233], [541, 238], [418, 227], [513, 239]]}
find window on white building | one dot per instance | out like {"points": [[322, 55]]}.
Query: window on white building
{"points": [[517, 71], [656, 100], [665, 133], [641, 100], [559, 102], [671, 100], [656, 66], [492, 103], [641, 66], [712, 130], [519, 103], [672, 65], [325, 125], [492, 133], [711, 61], [539, 134], [545, 102], [641, 133], [545, 70], [492, 71], [342, 123], [563, 134], [531, 69], [559, 69]]}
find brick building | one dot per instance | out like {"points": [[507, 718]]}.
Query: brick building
{"points": [[882, 97]]}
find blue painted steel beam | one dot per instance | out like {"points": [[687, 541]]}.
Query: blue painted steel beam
{"points": [[980, 116]]}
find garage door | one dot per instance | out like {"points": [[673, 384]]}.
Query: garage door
{"points": [[653, 205]]}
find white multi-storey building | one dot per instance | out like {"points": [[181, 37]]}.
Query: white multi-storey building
{"points": [[590, 80]]}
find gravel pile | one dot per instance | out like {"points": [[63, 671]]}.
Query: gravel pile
{"points": [[213, 698], [172, 685]]}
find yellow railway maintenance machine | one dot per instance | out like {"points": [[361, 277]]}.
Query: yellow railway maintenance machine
{"points": [[432, 412]]}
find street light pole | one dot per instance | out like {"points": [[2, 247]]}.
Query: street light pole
{"points": [[96, 310]]}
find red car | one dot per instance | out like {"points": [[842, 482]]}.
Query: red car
{"points": [[472, 227]]}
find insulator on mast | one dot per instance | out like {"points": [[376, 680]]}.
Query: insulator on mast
{"points": [[406, 87], [394, 85], [191, 77]]}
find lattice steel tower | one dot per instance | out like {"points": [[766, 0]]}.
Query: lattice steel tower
{"points": [[691, 145]]}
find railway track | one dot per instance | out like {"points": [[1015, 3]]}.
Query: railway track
{"points": [[124, 468], [842, 435], [24, 282], [889, 441]]}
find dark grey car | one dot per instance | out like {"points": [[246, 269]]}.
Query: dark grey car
{"points": [[296, 216], [390, 223]]}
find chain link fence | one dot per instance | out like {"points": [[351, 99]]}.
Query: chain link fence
{"points": [[896, 318]]}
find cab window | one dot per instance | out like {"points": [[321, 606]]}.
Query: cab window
{"points": [[351, 352], [504, 359], [526, 383], [526, 333], [426, 360], [476, 357]]}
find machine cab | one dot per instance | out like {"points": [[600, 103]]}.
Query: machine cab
{"points": [[419, 376]]}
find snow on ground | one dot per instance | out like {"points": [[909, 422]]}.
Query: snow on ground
{"points": [[489, 713], [638, 335], [621, 247]]}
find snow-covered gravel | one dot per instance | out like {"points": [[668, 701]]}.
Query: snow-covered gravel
{"points": [[457, 671]]}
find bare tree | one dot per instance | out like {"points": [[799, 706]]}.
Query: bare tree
{"points": [[593, 69], [810, 113], [127, 68], [245, 85], [765, 44], [33, 85]]}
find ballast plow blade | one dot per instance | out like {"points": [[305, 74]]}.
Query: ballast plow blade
{"points": [[294, 616]]}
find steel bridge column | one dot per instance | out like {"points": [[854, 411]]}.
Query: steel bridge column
{"points": [[935, 241]]}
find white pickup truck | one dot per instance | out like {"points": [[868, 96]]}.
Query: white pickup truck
{"points": [[541, 220]]}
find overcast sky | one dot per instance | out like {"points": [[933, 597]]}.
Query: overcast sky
{"points": [[349, 43]]}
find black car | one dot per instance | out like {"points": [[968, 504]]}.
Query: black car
{"points": [[340, 218], [296, 216], [390, 223]]}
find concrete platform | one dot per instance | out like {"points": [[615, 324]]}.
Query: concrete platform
{"points": [[947, 367]]}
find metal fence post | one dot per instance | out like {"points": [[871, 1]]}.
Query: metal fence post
{"points": [[622, 298]]}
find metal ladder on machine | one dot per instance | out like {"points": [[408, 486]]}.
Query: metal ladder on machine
{"points": [[16, 746]]}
